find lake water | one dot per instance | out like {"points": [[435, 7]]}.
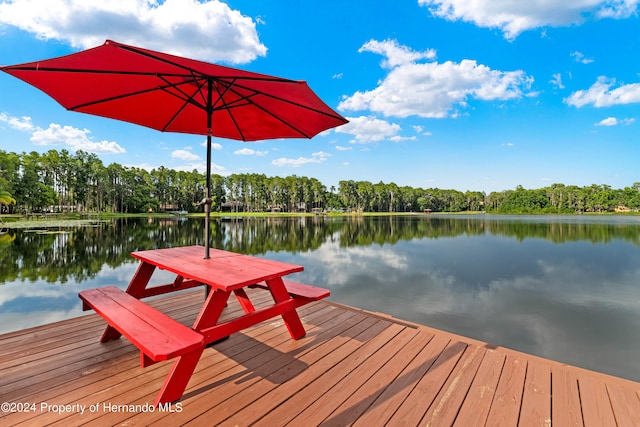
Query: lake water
{"points": [[562, 287]]}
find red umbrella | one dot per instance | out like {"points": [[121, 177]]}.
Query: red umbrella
{"points": [[175, 94]]}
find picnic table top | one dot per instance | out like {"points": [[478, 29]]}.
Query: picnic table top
{"points": [[223, 270]]}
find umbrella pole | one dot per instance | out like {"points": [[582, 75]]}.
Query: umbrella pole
{"points": [[207, 197], [207, 202]]}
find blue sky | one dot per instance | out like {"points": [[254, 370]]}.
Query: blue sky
{"points": [[463, 94]]}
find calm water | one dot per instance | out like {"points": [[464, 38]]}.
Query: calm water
{"points": [[565, 288]]}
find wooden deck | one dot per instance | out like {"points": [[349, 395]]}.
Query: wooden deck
{"points": [[352, 368]]}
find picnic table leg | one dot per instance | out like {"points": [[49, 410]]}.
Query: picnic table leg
{"points": [[291, 318], [110, 333], [140, 280], [179, 377], [210, 313], [244, 301], [136, 288]]}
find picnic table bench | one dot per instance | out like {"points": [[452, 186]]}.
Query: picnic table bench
{"points": [[159, 337], [300, 290]]}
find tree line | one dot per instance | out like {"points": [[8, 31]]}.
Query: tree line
{"points": [[59, 181]]}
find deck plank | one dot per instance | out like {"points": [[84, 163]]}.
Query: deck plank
{"points": [[505, 408], [363, 398], [385, 406], [414, 406], [566, 409], [626, 404], [596, 406], [330, 370], [325, 404], [352, 368], [477, 404], [536, 398], [448, 402], [283, 385]]}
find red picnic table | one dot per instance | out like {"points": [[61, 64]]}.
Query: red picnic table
{"points": [[160, 337]]}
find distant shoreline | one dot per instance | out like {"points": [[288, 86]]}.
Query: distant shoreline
{"points": [[69, 221]]}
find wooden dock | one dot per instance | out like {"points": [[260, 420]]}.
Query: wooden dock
{"points": [[352, 368]]}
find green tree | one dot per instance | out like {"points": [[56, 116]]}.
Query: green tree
{"points": [[348, 193], [9, 170], [30, 189], [6, 199]]}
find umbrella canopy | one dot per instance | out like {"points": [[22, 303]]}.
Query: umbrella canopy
{"points": [[175, 94]]}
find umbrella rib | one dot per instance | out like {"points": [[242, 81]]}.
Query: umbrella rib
{"points": [[143, 73], [287, 101], [270, 113], [130, 94], [233, 104], [88, 71], [199, 81], [224, 108], [306, 135], [188, 99]]}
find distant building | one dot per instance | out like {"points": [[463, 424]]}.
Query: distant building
{"points": [[236, 206]]}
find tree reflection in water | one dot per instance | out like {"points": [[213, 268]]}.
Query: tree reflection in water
{"points": [[78, 254]]}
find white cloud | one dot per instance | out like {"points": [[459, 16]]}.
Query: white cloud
{"points": [[579, 57], [609, 121], [617, 9], [146, 166], [613, 121], [341, 148], [208, 30], [244, 152], [515, 16], [318, 157], [557, 81], [214, 145], [398, 138], [23, 123], [77, 139], [202, 168], [601, 94], [250, 152], [55, 134], [185, 155], [433, 90], [395, 53], [366, 129], [420, 130]]}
